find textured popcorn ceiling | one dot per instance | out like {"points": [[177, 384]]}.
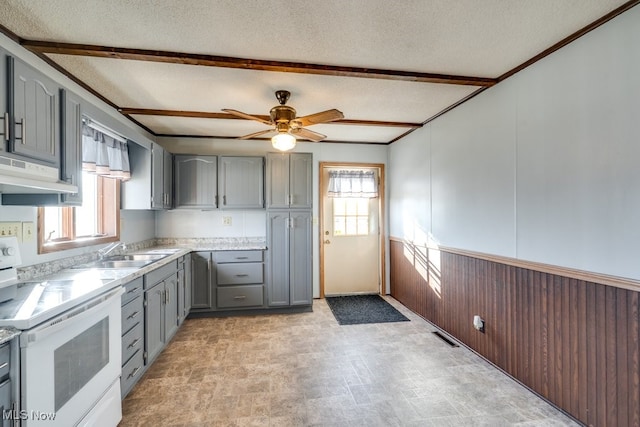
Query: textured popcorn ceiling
{"points": [[462, 37]]}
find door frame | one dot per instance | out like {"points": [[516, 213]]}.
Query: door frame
{"points": [[381, 215]]}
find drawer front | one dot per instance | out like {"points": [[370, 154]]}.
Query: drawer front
{"points": [[238, 274], [237, 256], [240, 296], [132, 341], [5, 360], [155, 276], [132, 290], [132, 313], [131, 372]]}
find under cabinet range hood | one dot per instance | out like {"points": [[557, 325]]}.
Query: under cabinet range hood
{"points": [[19, 176]]}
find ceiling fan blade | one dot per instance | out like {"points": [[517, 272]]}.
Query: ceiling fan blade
{"points": [[264, 133], [321, 117], [307, 134], [245, 116]]}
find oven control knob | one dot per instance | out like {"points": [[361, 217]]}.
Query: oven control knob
{"points": [[8, 251]]}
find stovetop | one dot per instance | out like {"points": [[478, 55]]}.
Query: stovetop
{"points": [[39, 301]]}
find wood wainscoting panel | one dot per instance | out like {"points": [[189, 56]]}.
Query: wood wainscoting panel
{"points": [[574, 342]]}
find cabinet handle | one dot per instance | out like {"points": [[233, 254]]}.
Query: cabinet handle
{"points": [[224, 200], [133, 373], [240, 297], [242, 257], [242, 275], [132, 315], [130, 291], [4, 365], [6, 126], [133, 343], [23, 131]]}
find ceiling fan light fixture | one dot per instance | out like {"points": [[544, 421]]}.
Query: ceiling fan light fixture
{"points": [[283, 141]]}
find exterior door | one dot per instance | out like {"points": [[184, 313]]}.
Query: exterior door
{"points": [[350, 241]]}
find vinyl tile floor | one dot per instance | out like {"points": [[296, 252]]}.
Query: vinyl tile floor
{"points": [[306, 370]]}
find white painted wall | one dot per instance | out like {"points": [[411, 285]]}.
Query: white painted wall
{"points": [[542, 167], [251, 223]]}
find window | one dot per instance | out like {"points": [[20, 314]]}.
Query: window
{"points": [[96, 221], [351, 216]]}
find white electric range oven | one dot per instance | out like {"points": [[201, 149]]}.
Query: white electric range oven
{"points": [[70, 350]]}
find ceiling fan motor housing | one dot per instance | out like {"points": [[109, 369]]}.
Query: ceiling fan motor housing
{"points": [[282, 114]]}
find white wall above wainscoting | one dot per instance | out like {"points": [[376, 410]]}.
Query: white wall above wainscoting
{"points": [[198, 223]]}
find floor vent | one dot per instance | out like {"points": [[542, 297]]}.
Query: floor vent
{"points": [[445, 339]]}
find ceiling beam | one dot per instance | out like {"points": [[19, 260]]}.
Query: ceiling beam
{"points": [[207, 115], [58, 48]]}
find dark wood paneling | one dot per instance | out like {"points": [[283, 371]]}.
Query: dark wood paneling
{"points": [[572, 341]]}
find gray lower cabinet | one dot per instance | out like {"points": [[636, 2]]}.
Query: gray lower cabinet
{"points": [[184, 288], [241, 182], [160, 310], [201, 286], [289, 258], [196, 181], [132, 335]]}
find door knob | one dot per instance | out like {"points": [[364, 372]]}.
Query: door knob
{"points": [[327, 242]]}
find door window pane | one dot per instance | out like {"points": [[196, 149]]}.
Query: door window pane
{"points": [[350, 216]]}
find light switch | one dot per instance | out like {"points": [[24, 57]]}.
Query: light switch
{"points": [[28, 231]]}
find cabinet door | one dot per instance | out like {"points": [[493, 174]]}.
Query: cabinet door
{"points": [[300, 181], [153, 322], [35, 114], [277, 180], [170, 306], [157, 178], [241, 182], [167, 176], [300, 284], [71, 145], [181, 296], [278, 259], [5, 402], [201, 280], [187, 285], [196, 182], [4, 112]]}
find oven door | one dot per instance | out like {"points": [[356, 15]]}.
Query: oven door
{"points": [[70, 362]]}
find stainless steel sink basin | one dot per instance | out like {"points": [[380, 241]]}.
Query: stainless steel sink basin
{"points": [[135, 257], [121, 263]]}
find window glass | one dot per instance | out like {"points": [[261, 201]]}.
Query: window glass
{"points": [[350, 216]]}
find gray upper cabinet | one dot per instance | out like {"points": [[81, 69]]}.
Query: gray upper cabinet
{"points": [[289, 258], [241, 182], [71, 145], [289, 181], [161, 178], [34, 97], [196, 181], [4, 111]]}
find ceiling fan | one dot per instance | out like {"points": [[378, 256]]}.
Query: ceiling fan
{"points": [[286, 126]]}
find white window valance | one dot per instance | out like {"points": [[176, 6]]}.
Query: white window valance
{"points": [[104, 155], [352, 183]]}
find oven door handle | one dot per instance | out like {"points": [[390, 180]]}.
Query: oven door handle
{"points": [[85, 311]]}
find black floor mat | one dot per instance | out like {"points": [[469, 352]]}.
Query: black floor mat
{"points": [[353, 310]]}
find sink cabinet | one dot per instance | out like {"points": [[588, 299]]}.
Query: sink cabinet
{"points": [[160, 309]]}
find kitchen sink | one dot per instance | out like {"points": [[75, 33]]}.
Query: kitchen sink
{"points": [[123, 261], [135, 257]]}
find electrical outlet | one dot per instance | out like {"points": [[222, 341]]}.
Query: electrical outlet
{"points": [[227, 220], [28, 231], [11, 229]]}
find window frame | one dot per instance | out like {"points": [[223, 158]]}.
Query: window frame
{"points": [[108, 199]]}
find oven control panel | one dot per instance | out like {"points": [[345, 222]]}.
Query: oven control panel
{"points": [[9, 252]]}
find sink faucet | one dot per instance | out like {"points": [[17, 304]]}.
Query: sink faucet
{"points": [[110, 248]]}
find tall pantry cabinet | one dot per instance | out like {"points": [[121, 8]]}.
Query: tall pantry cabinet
{"points": [[289, 223]]}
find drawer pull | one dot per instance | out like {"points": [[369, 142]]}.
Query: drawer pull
{"points": [[134, 343], [242, 257], [132, 290], [4, 365], [242, 275], [240, 297], [132, 315], [133, 373]]}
